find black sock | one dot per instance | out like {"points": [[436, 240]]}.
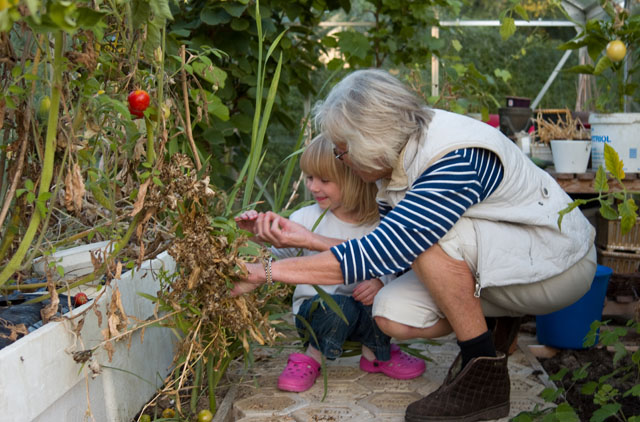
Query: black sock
{"points": [[491, 323], [477, 347]]}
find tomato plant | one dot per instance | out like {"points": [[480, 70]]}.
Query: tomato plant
{"points": [[80, 299], [138, 102]]}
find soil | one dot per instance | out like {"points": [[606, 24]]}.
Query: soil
{"points": [[601, 364]]}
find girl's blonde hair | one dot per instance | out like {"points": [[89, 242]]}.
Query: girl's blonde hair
{"points": [[358, 197], [374, 115]]}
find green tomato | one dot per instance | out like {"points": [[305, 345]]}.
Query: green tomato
{"points": [[45, 105], [145, 418], [168, 413], [616, 50], [205, 415]]}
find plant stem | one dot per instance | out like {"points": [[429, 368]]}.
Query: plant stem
{"points": [[47, 165]]}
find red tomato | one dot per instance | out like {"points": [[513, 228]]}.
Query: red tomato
{"points": [[138, 102], [80, 299]]}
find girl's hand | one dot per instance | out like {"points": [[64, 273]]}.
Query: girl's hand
{"points": [[247, 221], [281, 232], [366, 291]]}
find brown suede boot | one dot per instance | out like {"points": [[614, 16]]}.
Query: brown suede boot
{"points": [[479, 392]]}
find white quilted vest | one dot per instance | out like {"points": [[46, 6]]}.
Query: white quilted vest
{"points": [[516, 226]]}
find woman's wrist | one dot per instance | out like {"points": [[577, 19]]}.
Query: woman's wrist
{"points": [[256, 273]]}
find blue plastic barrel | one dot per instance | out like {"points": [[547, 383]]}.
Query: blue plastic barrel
{"points": [[567, 327]]}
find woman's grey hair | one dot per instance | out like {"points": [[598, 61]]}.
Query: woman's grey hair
{"points": [[374, 115]]}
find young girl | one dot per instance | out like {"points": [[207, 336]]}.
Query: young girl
{"points": [[351, 212]]}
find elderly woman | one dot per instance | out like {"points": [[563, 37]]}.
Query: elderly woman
{"points": [[469, 224]]}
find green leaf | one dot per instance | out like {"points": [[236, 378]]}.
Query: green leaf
{"points": [[89, 18], [62, 15], [34, 6], [507, 28], [607, 211], [216, 108], [332, 303], [589, 388], [603, 64], [234, 9], [565, 413], [629, 216], [16, 72], [583, 68], [240, 24], [613, 163], [42, 209], [605, 412], [161, 9], [521, 11], [213, 15], [354, 43], [573, 205], [456, 45], [210, 73], [600, 183], [634, 391]]}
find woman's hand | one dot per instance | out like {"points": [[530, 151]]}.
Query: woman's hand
{"points": [[281, 232], [247, 221], [366, 291], [253, 279]]}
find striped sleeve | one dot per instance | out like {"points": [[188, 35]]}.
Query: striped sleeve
{"points": [[433, 204]]}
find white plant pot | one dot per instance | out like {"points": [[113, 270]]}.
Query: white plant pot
{"points": [[41, 382], [622, 132], [570, 156]]}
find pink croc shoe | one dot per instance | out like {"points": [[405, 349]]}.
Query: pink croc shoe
{"points": [[401, 365], [300, 373]]}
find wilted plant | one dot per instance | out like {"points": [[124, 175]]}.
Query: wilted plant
{"points": [[563, 128]]}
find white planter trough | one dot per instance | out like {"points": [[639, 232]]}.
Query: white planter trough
{"points": [[622, 132], [40, 381]]}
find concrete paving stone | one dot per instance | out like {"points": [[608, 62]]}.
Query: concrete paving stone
{"points": [[381, 382], [429, 386], [521, 386], [277, 418], [267, 405], [436, 373], [377, 397], [343, 373], [326, 413], [388, 403], [337, 392]]}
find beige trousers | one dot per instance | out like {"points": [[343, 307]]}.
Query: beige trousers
{"points": [[407, 301]]}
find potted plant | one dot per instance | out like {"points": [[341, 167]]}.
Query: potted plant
{"points": [[569, 140], [609, 44]]}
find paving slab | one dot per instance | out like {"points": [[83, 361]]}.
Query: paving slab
{"points": [[354, 395]]}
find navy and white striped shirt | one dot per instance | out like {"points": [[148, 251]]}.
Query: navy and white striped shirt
{"points": [[432, 205]]}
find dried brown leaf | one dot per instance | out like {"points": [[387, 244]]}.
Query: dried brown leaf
{"points": [[193, 278], [49, 311], [142, 192]]}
